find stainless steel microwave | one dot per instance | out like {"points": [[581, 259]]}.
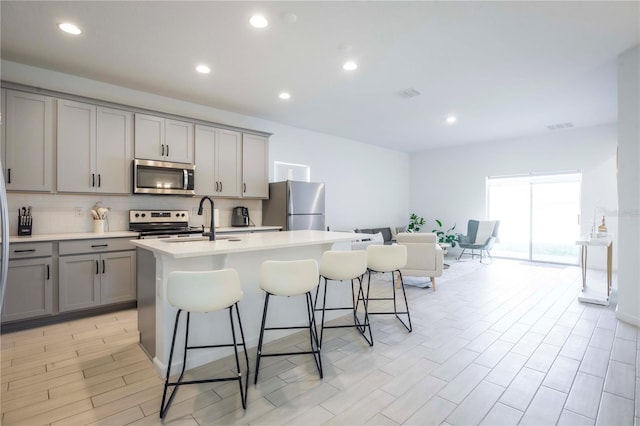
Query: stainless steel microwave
{"points": [[162, 177]]}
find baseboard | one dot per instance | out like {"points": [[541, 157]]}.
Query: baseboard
{"points": [[629, 319]]}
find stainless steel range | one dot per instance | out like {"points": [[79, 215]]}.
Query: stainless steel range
{"points": [[162, 224]]}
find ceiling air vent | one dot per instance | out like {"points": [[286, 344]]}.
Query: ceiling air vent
{"points": [[409, 93], [560, 126]]}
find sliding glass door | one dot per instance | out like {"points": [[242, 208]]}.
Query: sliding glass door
{"points": [[539, 216]]}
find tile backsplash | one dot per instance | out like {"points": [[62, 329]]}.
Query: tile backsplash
{"points": [[56, 213]]}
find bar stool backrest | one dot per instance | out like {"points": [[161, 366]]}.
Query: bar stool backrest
{"points": [[203, 291], [343, 265], [386, 258], [289, 277]]}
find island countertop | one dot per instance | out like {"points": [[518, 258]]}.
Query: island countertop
{"points": [[186, 247]]}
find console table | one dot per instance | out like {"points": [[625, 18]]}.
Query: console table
{"points": [[585, 242]]}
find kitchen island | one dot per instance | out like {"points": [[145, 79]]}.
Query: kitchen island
{"points": [[157, 258]]}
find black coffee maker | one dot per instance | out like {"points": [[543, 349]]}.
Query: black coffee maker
{"points": [[240, 216]]}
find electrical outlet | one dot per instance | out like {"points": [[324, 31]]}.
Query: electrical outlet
{"points": [[79, 211]]}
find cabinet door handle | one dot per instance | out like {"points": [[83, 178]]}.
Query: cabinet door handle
{"points": [[25, 251], [162, 153], [99, 245], [9, 176], [217, 186], [98, 180], [103, 266], [220, 186], [244, 187], [97, 268], [93, 179], [167, 150], [48, 273]]}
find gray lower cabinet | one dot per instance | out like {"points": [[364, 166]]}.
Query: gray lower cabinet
{"points": [[30, 282], [99, 278]]}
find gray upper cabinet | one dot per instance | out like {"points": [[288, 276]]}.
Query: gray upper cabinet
{"points": [[27, 152], [161, 139], [94, 148], [218, 162], [255, 174]]}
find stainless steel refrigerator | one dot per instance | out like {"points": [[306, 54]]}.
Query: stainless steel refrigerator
{"points": [[294, 205]]}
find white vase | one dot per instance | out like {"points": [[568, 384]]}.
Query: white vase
{"points": [[98, 226]]}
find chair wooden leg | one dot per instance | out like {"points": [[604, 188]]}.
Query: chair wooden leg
{"points": [[398, 281], [433, 283]]}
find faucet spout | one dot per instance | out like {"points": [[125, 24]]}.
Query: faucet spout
{"points": [[212, 226]]}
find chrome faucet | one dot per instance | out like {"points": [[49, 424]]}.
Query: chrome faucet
{"points": [[212, 226]]}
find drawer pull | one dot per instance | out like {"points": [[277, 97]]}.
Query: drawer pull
{"points": [[99, 245], [97, 268], [25, 251]]}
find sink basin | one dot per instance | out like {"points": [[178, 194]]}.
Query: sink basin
{"points": [[192, 239]]}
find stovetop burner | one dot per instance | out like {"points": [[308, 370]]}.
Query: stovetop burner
{"points": [[162, 223]]}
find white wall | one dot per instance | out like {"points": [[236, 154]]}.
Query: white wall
{"points": [[449, 183], [349, 168], [628, 308]]}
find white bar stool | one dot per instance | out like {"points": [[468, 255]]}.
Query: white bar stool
{"points": [[290, 278], [389, 258], [343, 266], [204, 291]]}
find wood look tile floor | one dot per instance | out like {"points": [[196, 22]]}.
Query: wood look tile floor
{"points": [[501, 344]]}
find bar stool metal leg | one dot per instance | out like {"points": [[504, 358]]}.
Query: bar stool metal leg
{"points": [[260, 339], [397, 313], [360, 326], [313, 337], [166, 403]]}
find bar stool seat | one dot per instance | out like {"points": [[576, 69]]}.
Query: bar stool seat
{"points": [[390, 258], [344, 266], [289, 278], [203, 292]]}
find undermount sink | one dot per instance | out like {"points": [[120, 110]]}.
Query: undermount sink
{"points": [[199, 239]]}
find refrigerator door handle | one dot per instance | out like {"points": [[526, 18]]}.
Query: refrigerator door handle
{"points": [[4, 226]]}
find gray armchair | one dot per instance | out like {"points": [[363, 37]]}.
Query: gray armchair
{"points": [[481, 235]]}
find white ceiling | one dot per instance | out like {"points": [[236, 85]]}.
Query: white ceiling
{"points": [[506, 69]]}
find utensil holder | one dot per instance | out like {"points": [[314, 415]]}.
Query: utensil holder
{"points": [[98, 226]]}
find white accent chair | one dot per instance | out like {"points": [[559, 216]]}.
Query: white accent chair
{"points": [[424, 256]]}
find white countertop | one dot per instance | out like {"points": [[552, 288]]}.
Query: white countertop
{"points": [[71, 236], [182, 248]]}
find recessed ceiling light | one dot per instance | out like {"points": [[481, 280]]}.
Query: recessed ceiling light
{"points": [[258, 21], [203, 69], [70, 28], [284, 95], [350, 66], [451, 119]]}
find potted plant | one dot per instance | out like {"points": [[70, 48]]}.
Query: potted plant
{"points": [[415, 223], [445, 236]]}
